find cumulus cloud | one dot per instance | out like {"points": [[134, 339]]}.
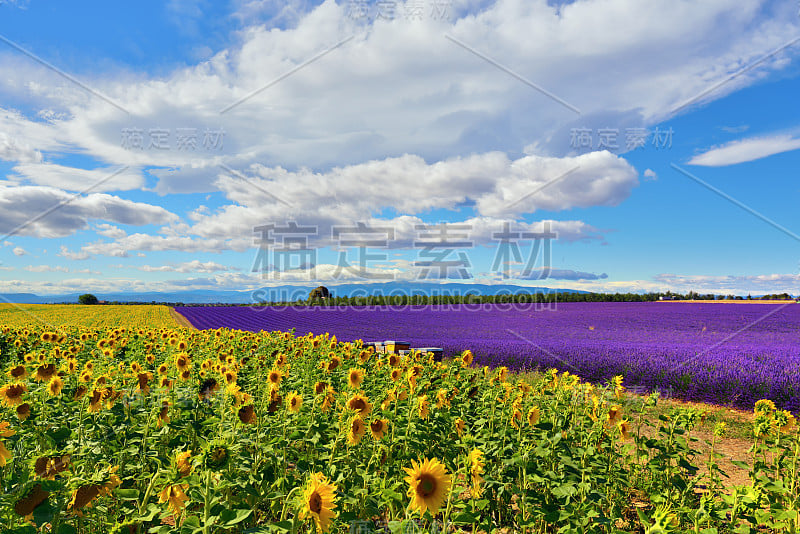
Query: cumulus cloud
{"points": [[744, 150], [49, 212], [644, 60], [19, 251], [76, 179], [46, 269], [194, 266]]}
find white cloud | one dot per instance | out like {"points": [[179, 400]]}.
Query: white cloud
{"points": [[744, 150], [75, 179], [650, 175], [46, 269], [19, 251], [66, 253], [194, 266], [643, 60], [48, 212]]}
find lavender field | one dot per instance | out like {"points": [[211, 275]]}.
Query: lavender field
{"points": [[730, 354]]}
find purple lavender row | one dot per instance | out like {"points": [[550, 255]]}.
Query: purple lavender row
{"points": [[729, 354]]}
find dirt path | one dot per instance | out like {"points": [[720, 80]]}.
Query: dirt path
{"points": [[180, 319]]}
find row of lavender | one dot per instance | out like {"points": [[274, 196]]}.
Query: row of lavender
{"points": [[732, 354]]}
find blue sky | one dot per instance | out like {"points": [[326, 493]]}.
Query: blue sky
{"points": [[141, 144]]}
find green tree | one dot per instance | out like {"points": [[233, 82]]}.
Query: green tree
{"points": [[88, 298]]}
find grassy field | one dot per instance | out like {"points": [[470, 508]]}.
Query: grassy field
{"points": [[104, 316]]}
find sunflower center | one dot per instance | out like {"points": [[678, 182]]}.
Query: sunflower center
{"points": [[376, 426], [315, 503], [358, 404], [426, 486]]}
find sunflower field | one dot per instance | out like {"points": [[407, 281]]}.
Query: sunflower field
{"points": [[103, 316], [133, 429]]}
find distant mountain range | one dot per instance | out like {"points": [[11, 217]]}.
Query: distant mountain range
{"points": [[288, 293]]}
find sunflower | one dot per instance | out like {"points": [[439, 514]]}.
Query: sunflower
{"points": [[136, 368], [334, 363], [55, 386], [764, 406], [163, 369], [18, 372], [275, 376], [356, 430], [442, 399], [502, 373], [70, 366], [163, 414], [275, 400], [182, 362], [318, 501], [361, 404], [423, 407], [5, 454], [394, 360], [624, 429], [476, 469], [320, 387], [5, 430], [428, 485], [295, 401], [207, 389], [355, 377], [459, 426], [186, 374], [378, 428], [619, 389], [84, 495], [330, 399], [183, 463], [614, 415], [364, 356], [247, 414], [32, 498], [95, 401], [216, 457], [516, 416], [466, 359], [23, 411], [48, 467], [175, 497], [144, 382], [45, 372], [12, 394], [533, 416]]}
